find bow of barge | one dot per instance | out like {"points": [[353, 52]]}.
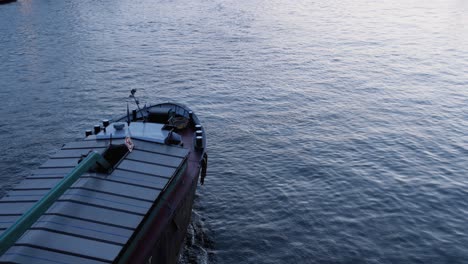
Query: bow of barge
{"points": [[133, 209]]}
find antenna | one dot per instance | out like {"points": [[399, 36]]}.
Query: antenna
{"points": [[132, 95], [128, 116]]}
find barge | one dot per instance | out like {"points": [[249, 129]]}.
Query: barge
{"points": [[123, 194]]}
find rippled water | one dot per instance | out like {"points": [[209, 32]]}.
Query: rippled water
{"points": [[337, 129]]}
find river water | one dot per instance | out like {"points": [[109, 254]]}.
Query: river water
{"points": [[337, 129]]}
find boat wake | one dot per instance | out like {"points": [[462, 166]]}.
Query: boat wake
{"points": [[198, 246]]}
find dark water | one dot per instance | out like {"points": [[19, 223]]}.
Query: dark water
{"points": [[337, 129]]}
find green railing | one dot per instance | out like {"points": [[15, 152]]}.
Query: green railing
{"points": [[12, 234]]}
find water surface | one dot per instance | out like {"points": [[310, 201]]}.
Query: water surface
{"points": [[337, 129]]}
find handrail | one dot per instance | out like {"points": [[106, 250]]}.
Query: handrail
{"points": [[15, 231]]}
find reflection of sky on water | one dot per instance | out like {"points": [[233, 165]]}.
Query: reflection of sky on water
{"points": [[349, 115]]}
